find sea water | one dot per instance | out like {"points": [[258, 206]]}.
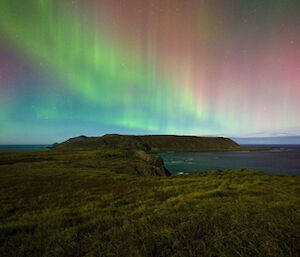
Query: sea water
{"points": [[22, 148], [282, 159]]}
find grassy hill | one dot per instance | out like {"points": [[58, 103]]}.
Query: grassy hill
{"points": [[153, 143], [126, 161], [94, 203]]}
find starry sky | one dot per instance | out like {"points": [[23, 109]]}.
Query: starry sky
{"points": [[210, 67]]}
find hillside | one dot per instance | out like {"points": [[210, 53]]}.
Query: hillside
{"points": [[153, 143], [95, 203], [123, 161], [188, 143]]}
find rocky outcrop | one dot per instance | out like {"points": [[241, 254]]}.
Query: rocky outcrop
{"points": [[154, 165]]}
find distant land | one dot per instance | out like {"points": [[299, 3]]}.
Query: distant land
{"points": [[150, 143], [268, 140]]}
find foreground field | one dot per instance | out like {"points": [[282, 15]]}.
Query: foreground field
{"points": [[90, 203]]}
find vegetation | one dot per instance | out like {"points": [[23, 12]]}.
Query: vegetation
{"points": [[153, 143], [94, 203]]}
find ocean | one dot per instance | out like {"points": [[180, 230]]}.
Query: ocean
{"points": [[282, 159], [22, 148]]}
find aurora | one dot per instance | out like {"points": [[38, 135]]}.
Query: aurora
{"points": [[147, 67]]}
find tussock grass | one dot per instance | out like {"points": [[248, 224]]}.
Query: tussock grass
{"points": [[89, 203]]}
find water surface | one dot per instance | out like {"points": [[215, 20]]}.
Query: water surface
{"points": [[22, 148], [284, 159]]}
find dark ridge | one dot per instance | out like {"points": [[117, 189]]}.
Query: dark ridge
{"points": [[153, 143]]}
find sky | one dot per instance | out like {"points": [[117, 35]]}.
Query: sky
{"points": [[192, 67]]}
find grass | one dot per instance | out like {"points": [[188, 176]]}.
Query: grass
{"points": [[89, 203], [153, 143]]}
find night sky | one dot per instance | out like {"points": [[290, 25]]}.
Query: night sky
{"points": [[92, 67]]}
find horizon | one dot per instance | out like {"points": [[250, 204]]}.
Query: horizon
{"points": [[280, 140], [77, 67]]}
